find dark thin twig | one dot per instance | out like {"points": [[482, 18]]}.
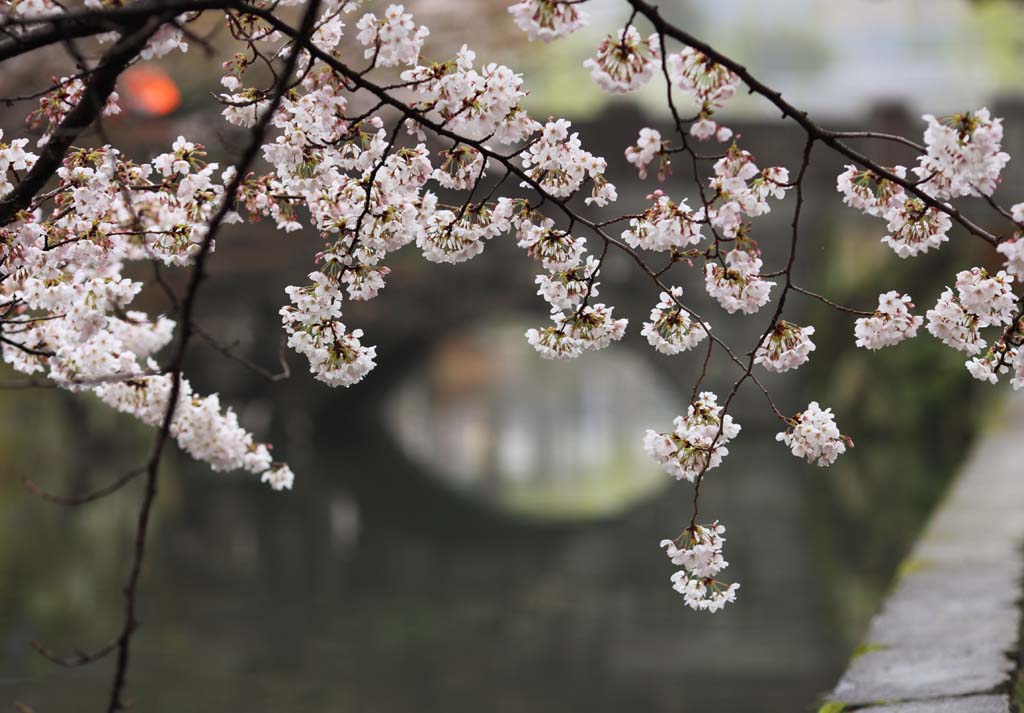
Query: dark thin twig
{"points": [[72, 500]]}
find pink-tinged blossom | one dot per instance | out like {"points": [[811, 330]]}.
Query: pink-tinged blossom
{"points": [[891, 323], [664, 226], [870, 193], [565, 289], [698, 441], [699, 552], [964, 155], [624, 61], [954, 325], [738, 286], [548, 19], [590, 328], [813, 435], [914, 228], [646, 148], [671, 330], [1013, 251], [393, 39], [787, 346], [990, 298]]}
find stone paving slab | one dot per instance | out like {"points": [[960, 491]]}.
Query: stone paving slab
{"points": [[946, 640], [971, 704]]}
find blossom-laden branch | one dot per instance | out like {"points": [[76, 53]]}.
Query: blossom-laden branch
{"points": [[431, 163]]}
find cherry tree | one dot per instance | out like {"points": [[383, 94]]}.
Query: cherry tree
{"points": [[353, 134]]}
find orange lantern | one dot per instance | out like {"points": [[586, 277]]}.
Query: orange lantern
{"points": [[149, 90]]}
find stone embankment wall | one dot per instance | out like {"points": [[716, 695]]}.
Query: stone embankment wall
{"points": [[947, 638]]}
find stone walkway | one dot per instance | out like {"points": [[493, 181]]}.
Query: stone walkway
{"points": [[947, 638]]}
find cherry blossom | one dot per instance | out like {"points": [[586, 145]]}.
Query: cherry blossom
{"points": [[649, 145], [915, 229], [954, 325], [548, 19], [785, 347], [671, 330], [1013, 251], [665, 225], [813, 435], [989, 298], [624, 61], [964, 156], [557, 162], [891, 323], [870, 193], [710, 84], [392, 39], [699, 552], [565, 289], [738, 285], [698, 441]]}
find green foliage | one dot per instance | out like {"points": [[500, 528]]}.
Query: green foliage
{"points": [[867, 648], [832, 707]]}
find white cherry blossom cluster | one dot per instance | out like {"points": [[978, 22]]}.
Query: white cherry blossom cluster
{"points": [[586, 329], [1013, 252], [548, 19], [565, 289], [671, 330], [710, 84], [963, 158], [785, 347], [742, 189], [13, 160], [698, 441], [891, 323], [391, 40], [624, 61], [813, 435], [964, 155], [998, 360], [954, 325], [981, 300], [699, 552], [648, 145], [738, 285], [555, 249], [477, 104], [67, 303], [313, 323], [456, 235], [914, 228], [989, 297], [201, 428], [559, 165], [867, 192], [665, 225]]}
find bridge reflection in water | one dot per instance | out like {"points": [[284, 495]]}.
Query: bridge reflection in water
{"points": [[535, 438]]}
